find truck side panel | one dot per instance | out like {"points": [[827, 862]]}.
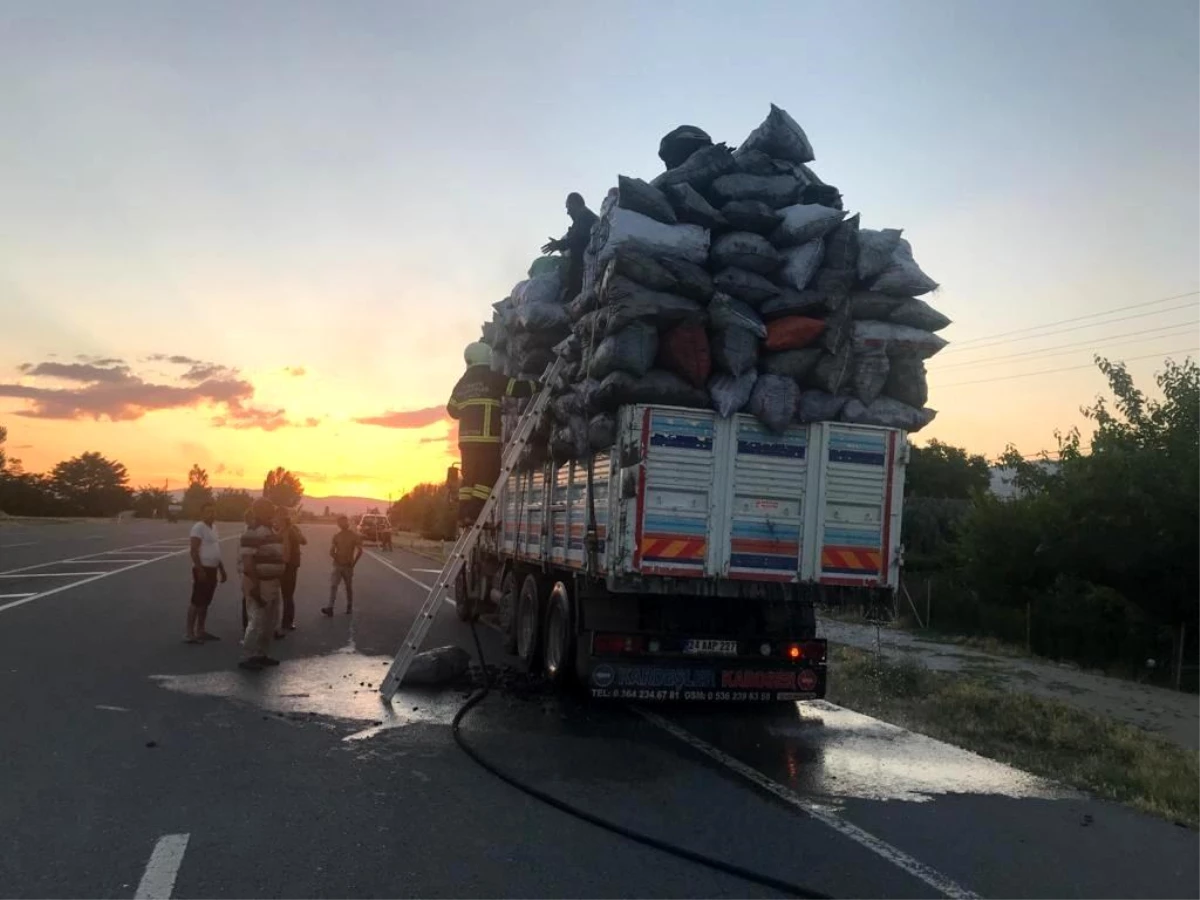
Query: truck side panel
{"points": [[767, 503], [669, 526], [855, 510]]}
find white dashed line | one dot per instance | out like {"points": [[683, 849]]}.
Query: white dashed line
{"points": [[158, 881], [897, 857], [25, 575]]}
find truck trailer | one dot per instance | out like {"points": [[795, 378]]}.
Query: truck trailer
{"points": [[683, 563]]}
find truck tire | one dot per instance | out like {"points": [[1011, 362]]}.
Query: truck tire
{"points": [[529, 623], [506, 615], [558, 641], [463, 607]]}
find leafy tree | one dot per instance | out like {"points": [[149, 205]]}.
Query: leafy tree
{"points": [[427, 509], [151, 503], [3, 456], [945, 472], [26, 494], [232, 505], [91, 485], [198, 492], [283, 488]]}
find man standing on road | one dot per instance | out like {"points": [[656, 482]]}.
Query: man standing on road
{"points": [[262, 567], [345, 551], [207, 568], [293, 538]]}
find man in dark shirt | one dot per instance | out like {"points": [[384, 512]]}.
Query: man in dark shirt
{"points": [[345, 550], [573, 244], [475, 403]]}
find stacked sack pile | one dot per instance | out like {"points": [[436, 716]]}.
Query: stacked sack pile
{"points": [[733, 281]]}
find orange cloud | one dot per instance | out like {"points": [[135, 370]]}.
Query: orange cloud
{"points": [[413, 418]]}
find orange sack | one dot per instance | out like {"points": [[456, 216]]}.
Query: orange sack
{"points": [[684, 350], [793, 332]]}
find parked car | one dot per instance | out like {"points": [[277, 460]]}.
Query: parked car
{"points": [[375, 529]]}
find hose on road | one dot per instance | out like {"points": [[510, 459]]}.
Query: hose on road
{"points": [[785, 887]]}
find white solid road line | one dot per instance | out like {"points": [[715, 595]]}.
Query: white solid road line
{"points": [[14, 596], [417, 581], [824, 814], [156, 547], [12, 546], [158, 881]]}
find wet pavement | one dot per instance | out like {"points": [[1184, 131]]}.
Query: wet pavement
{"points": [[297, 781]]}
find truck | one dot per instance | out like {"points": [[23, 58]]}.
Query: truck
{"points": [[683, 563]]}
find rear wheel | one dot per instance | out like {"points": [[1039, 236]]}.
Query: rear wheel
{"points": [[559, 638], [529, 623], [506, 615]]}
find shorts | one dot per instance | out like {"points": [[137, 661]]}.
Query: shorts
{"points": [[204, 585]]}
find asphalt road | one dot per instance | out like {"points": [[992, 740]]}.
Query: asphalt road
{"points": [[138, 765]]}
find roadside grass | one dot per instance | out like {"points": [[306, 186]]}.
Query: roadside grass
{"points": [[1110, 759], [414, 543]]}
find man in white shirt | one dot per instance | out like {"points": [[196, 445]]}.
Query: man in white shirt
{"points": [[206, 569]]}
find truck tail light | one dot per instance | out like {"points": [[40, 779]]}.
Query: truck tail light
{"points": [[616, 644], [805, 651]]}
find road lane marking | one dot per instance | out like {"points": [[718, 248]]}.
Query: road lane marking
{"points": [[12, 546], [941, 883], [417, 581], [25, 575], [155, 547], [89, 580], [15, 596], [158, 881]]}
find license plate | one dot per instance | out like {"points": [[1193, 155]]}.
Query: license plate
{"points": [[707, 645]]}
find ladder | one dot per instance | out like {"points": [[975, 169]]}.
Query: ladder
{"points": [[441, 589]]}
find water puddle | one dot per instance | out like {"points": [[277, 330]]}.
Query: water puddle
{"points": [[339, 686], [820, 749]]}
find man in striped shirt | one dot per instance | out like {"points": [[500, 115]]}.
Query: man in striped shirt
{"points": [[262, 559]]}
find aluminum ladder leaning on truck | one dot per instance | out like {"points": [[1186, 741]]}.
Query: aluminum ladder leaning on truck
{"points": [[683, 563]]}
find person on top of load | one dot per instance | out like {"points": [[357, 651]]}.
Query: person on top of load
{"points": [[475, 403], [573, 243]]}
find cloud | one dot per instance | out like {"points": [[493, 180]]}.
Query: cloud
{"points": [[223, 469], [413, 418], [83, 372], [241, 417], [124, 400], [296, 371], [177, 360], [97, 360], [111, 391], [204, 371]]}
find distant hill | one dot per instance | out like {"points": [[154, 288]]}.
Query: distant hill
{"points": [[348, 506]]}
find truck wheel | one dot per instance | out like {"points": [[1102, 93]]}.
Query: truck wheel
{"points": [[507, 613], [529, 623], [462, 602], [559, 637]]}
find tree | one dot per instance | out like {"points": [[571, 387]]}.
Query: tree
{"points": [[3, 456], [26, 494], [198, 492], [945, 472], [283, 488], [427, 509], [151, 503], [91, 485], [232, 505]]}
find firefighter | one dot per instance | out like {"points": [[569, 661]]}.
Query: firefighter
{"points": [[475, 403]]}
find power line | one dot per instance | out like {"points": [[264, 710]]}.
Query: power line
{"points": [[1161, 355], [1091, 344], [958, 348]]}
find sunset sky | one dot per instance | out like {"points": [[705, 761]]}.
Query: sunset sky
{"points": [[257, 234]]}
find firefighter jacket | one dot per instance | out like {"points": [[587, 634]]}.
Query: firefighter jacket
{"points": [[475, 403]]}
